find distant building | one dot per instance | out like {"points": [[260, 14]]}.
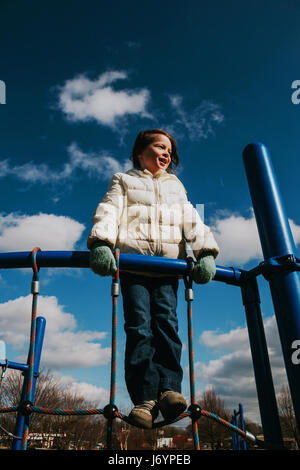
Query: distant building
{"points": [[165, 442], [175, 442]]}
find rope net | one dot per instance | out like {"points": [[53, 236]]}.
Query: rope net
{"points": [[110, 411]]}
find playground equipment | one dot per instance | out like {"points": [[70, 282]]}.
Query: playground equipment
{"points": [[280, 268], [237, 420]]}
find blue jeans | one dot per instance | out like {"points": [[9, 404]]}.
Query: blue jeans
{"points": [[153, 347]]}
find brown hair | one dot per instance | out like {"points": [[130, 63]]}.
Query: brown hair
{"points": [[144, 138]]}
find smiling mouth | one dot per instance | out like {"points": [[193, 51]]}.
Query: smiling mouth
{"points": [[164, 162]]}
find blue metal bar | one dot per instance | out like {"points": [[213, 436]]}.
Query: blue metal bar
{"points": [[20, 422], [261, 364], [242, 424], [276, 240], [14, 365], [141, 263]]}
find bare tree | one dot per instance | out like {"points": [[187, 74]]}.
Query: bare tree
{"points": [[75, 432], [287, 415], [209, 430]]}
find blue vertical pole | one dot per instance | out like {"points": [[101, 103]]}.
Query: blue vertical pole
{"points": [[242, 424], [261, 364], [276, 240], [20, 422], [237, 435]]}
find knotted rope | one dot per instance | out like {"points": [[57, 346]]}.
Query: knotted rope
{"points": [[35, 289], [111, 407], [189, 297]]}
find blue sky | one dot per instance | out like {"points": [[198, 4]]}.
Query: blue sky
{"points": [[81, 81]]}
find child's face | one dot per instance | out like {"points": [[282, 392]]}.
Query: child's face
{"points": [[157, 155]]}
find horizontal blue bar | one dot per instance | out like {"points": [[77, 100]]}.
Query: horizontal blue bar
{"points": [[139, 263], [13, 365]]}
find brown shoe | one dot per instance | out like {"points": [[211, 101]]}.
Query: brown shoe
{"points": [[143, 414], [171, 404]]}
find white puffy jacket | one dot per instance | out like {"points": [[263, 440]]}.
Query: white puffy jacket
{"points": [[150, 214]]}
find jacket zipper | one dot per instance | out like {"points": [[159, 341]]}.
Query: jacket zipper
{"points": [[156, 191]]}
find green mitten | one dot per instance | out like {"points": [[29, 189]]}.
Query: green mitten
{"points": [[204, 270], [102, 260]]}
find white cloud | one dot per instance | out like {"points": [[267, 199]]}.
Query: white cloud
{"points": [[238, 239], [99, 165], [82, 99], [28, 172], [133, 44], [231, 374], [232, 341], [47, 231], [199, 122], [295, 229], [97, 395], [64, 346]]}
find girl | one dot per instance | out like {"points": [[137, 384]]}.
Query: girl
{"points": [[146, 211]]}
